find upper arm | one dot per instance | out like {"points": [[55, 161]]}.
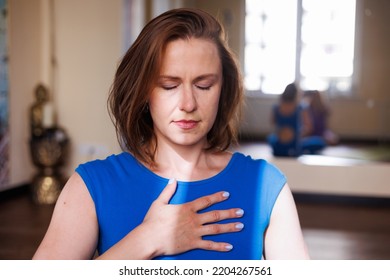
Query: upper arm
{"points": [[73, 230], [283, 238]]}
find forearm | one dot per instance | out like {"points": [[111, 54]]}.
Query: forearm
{"points": [[136, 245]]}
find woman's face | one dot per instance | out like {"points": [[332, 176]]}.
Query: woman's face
{"points": [[184, 101]]}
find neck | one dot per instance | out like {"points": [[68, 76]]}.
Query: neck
{"points": [[188, 164]]}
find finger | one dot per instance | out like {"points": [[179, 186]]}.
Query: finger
{"points": [[219, 215], [213, 229], [167, 193], [215, 246], [208, 200]]}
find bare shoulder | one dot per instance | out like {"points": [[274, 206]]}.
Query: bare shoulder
{"points": [[284, 238], [74, 191], [73, 230]]}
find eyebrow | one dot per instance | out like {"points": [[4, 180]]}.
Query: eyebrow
{"points": [[199, 78]]}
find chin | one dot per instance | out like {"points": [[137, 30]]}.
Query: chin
{"points": [[188, 141]]}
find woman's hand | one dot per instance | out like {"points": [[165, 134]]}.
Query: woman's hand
{"points": [[169, 229], [180, 228]]}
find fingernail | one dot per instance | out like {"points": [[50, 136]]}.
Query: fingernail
{"points": [[229, 247], [226, 194], [239, 226], [171, 180], [240, 212]]}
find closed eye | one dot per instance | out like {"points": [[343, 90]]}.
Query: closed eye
{"points": [[203, 87], [206, 82], [169, 87]]}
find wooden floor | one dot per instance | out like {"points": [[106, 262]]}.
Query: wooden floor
{"points": [[335, 231], [22, 225], [332, 230]]}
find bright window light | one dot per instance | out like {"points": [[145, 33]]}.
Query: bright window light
{"points": [[308, 41]]}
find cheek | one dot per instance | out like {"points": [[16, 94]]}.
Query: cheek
{"points": [[154, 108], [160, 108], [156, 111], [211, 106], [215, 102], [154, 102], [215, 111]]}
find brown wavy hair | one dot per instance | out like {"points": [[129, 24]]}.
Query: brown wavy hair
{"points": [[138, 70]]}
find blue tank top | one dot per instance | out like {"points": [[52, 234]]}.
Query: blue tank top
{"points": [[123, 190]]}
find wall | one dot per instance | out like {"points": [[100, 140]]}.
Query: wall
{"points": [[87, 47], [24, 73]]}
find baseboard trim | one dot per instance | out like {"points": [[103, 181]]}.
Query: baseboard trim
{"points": [[14, 192]]}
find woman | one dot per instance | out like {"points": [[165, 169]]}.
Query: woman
{"points": [[176, 193], [319, 113]]}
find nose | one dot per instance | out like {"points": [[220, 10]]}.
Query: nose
{"points": [[187, 101]]}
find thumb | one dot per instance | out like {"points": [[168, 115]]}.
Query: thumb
{"points": [[167, 193]]}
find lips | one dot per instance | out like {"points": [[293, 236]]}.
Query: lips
{"points": [[186, 124]]}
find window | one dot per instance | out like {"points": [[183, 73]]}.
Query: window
{"points": [[308, 41]]}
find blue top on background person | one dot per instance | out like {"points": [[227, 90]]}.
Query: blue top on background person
{"points": [[292, 126]]}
